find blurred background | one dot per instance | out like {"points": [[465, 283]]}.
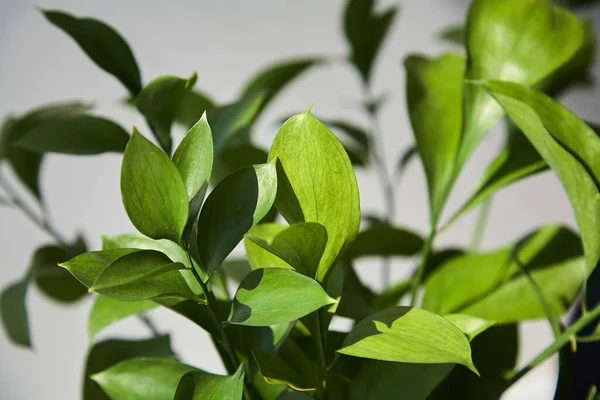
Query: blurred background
{"points": [[226, 43]]}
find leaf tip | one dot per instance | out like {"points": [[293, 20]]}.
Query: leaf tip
{"points": [[191, 81], [308, 110]]}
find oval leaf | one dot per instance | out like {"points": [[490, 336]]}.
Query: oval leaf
{"points": [[200, 385], [257, 256], [52, 280], [106, 311], [13, 311], [87, 266]]}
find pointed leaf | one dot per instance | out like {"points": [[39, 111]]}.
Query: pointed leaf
{"points": [[276, 295], [13, 311], [385, 241], [200, 385], [87, 266], [316, 184], [238, 203], [138, 241], [153, 192], [106, 311]]}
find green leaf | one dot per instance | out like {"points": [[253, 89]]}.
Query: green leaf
{"points": [[110, 352], [238, 203], [87, 266], [142, 379], [365, 31], [407, 156], [569, 147], [200, 385], [13, 311], [137, 241], [471, 326], [454, 34], [434, 90], [159, 102], [276, 295], [106, 311], [522, 41], [276, 371], [385, 241], [300, 246], [257, 256], [153, 192], [192, 106], [103, 45], [409, 335], [232, 158], [77, 134], [316, 184]]}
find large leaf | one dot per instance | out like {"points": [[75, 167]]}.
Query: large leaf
{"points": [[200, 385], [385, 241], [522, 41], [316, 184], [76, 134], [153, 192], [434, 90], [276, 295], [106, 311], [365, 31], [159, 103], [103, 45], [409, 335], [238, 203], [142, 379], [569, 147], [13, 311]]}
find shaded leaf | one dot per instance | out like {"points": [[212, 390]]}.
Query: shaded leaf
{"points": [[257, 256], [192, 106], [385, 241], [87, 266], [407, 156], [200, 385], [232, 158], [454, 34], [138, 241], [54, 281], [469, 325], [275, 371], [106, 311], [14, 313]]}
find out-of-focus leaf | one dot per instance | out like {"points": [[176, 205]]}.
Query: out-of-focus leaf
{"points": [[275, 371], [103, 45], [356, 301], [200, 385], [13, 311], [384, 241], [454, 34], [232, 158], [106, 311], [469, 325], [191, 107], [407, 156]]}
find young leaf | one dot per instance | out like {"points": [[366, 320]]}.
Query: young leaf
{"points": [[471, 326], [142, 379], [409, 335], [153, 192], [106, 311], [365, 31], [276, 371], [200, 385], [159, 101], [13, 311], [385, 241], [77, 134], [569, 147], [434, 90], [238, 203], [276, 295], [103, 45], [316, 184]]}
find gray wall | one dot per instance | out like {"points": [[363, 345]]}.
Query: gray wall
{"points": [[224, 42]]}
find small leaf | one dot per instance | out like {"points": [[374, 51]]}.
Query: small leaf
{"points": [[103, 45], [78, 134], [409, 335], [159, 102], [142, 379], [200, 385], [192, 106], [153, 192], [106, 311], [14, 313], [316, 184], [276, 295], [385, 241], [275, 371], [238, 203], [407, 156], [471, 326]]}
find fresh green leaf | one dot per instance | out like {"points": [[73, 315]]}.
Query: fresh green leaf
{"points": [[316, 184], [471, 326], [276, 295], [192, 106], [200, 385], [153, 192], [142, 379], [103, 45], [434, 90], [13, 311], [238, 203], [159, 102], [409, 335], [365, 31], [276, 371], [257, 256], [138, 241], [77, 134], [87, 266], [232, 158], [385, 241], [54, 281], [106, 311]]}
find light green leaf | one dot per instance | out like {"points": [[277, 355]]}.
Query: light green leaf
{"points": [[257, 256], [471, 326], [13, 311], [153, 192], [316, 184], [200, 385], [54, 281], [569, 147], [138, 241], [273, 296], [159, 103], [77, 134], [409, 335], [106, 311], [87, 266], [434, 90], [192, 106], [103, 45], [385, 241], [238, 203], [142, 379], [276, 371]]}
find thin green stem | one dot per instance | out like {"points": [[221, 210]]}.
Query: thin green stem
{"points": [[480, 223], [320, 341], [149, 324], [425, 253]]}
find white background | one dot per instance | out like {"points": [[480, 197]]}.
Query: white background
{"points": [[225, 42]]}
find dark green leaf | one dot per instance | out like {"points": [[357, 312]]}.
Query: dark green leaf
{"points": [[316, 183], [356, 297], [52, 280], [385, 241], [103, 45], [236, 269], [407, 156], [238, 203], [232, 158], [106, 311], [200, 385], [14, 313], [87, 266], [153, 192], [276, 371], [454, 34], [191, 107], [357, 135], [276, 295]]}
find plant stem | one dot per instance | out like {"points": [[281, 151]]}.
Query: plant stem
{"points": [[477, 236], [149, 324], [426, 252], [320, 341], [558, 343]]}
